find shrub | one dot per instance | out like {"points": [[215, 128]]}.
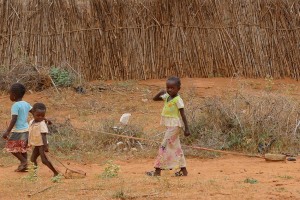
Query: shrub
{"points": [[111, 170], [61, 77], [243, 121]]}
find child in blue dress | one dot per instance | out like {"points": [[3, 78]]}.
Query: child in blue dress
{"points": [[17, 132]]}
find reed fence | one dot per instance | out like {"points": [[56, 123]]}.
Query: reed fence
{"points": [[146, 39]]}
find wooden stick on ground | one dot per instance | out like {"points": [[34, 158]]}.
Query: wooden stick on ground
{"points": [[72, 170], [188, 146], [40, 191]]}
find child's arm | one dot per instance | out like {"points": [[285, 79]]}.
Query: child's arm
{"points": [[44, 138], [48, 121], [10, 127], [186, 127], [157, 97]]}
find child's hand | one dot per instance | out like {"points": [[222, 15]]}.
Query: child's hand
{"points": [[187, 132], [162, 92], [48, 122], [5, 135]]}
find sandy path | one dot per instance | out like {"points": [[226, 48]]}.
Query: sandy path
{"points": [[221, 178]]}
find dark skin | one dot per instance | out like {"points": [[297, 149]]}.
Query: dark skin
{"points": [[173, 89], [22, 157], [14, 118], [39, 115]]}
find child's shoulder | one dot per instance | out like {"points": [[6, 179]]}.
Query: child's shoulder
{"points": [[21, 103], [26, 103], [178, 97], [43, 123]]}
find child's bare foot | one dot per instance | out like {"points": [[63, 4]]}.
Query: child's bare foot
{"points": [[154, 173], [182, 172], [22, 168], [56, 175]]}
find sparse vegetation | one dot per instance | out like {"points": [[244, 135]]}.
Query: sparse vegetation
{"points": [[238, 120], [111, 170], [119, 194], [61, 77], [287, 177], [57, 179], [251, 181], [242, 121], [32, 173]]}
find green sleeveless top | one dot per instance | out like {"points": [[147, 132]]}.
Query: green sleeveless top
{"points": [[171, 108]]}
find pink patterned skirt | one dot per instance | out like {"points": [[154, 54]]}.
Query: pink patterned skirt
{"points": [[17, 142], [170, 154]]}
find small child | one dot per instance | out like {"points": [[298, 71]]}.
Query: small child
{"points": [[170, 154], [37, 136], [18, 127]]}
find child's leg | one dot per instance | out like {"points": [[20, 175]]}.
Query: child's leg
{"points": [[157, 172], [24, 156], [46, 161], [184, 171], [16, 143], [35, 154], [21, 158]]}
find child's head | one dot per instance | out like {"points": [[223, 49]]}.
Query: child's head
{"points": [[16, 92], [173, 85], [39, 112]]}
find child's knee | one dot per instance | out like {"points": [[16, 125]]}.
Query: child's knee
{"points": [[32, 159], [45, 161]]}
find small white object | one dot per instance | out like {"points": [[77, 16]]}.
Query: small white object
{"points": [[117, 128], [120, 143], [125, 118]]}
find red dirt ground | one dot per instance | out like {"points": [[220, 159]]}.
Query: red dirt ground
{"points": [[219, 178]]}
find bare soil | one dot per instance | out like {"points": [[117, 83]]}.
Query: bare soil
{"points": [[225, 177]]}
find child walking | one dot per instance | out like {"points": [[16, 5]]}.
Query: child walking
{"points": [[17, 132], [170, 155], [37, 136]]}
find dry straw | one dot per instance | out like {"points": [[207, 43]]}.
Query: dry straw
{"points": [[142, 39]]}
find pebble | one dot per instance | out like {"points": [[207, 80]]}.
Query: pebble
{"points": [[291, 159]]}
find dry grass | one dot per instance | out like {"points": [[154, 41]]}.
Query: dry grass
{"points": [[243, 121], [239, 120], [28, 75]]}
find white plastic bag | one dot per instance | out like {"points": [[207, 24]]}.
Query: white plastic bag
{"points": [[125, 118]]}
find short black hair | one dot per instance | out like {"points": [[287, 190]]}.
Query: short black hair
{"points": [[39, 106], [18, 90], [175, 79]]}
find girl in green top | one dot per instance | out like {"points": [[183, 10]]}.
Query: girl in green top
{"points": [[170, 155]]}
